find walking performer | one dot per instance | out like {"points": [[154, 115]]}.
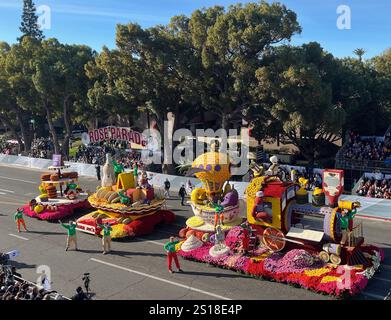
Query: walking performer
{"points": [[346, 219], [182, 193], [18, 216], [106, 238], [71, 228], [171, 254]]}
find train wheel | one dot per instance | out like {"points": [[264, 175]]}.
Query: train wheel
{"points": [[324, 256], [273, 239], [334, 259]]}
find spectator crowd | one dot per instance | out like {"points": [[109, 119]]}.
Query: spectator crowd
{"points": [[371, 149], [41, 148], [6, 147], [375, 188], [96, 154], [13, 287]]}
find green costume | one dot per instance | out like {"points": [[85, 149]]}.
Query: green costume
{"points": [[106, 229], [118, 168], [71, 229], [345, 219], [18, 215], [170, 246]]}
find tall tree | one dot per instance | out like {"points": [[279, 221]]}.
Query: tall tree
{"points": [[359, 52], [231, 45], [60, 81], [29, 26], [159, 70], [18, 68], [295, 91]]}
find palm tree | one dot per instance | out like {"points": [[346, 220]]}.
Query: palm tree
{"points": [[359, 52]]}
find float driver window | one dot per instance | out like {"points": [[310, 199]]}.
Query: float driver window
{"points": [[267, 207]]}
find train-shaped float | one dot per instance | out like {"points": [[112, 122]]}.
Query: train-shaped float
{"points": [[284, 229]]}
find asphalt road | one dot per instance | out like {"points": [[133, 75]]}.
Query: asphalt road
{"points": [[136, 269]]}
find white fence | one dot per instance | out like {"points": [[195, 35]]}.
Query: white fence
{"points": [[370, 207]]}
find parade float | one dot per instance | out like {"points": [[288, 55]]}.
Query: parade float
{"points": [[286, 237], [130, 206], [60, 194], [216, 203]]}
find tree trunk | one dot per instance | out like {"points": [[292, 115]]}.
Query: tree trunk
{"points": [[52, 130], [224, 121], [68, 126], [26, 132]]}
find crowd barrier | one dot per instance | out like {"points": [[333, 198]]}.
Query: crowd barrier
{"points": [[379, 208]]}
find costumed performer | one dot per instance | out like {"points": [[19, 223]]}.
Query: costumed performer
{"points": [[258, 211], [18, 217], [346, 219], [71, 236], [106, 239], [171, 254]]}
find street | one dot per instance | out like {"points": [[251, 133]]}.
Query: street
{"points": [[136, 269]]}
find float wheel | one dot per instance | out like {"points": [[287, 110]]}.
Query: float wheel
{"points": [[273, 239], [334, 259], [324, 256]]}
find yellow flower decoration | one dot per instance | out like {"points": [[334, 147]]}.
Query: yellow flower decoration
{"points": [[330, 279], [261, 257], [316, 272], [179, 245], [195, 222]]}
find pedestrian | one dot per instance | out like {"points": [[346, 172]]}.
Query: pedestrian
{"points": [[167, 186], [171, 254], [189, 186], [182, 194], [106, 238], [97, 168], [71, 228], [18, 216], [80, 295]]}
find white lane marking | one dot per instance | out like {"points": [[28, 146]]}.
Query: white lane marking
{"points": [[32, 182], [162, 280], [382, 279], [372, 295], [2, 193], [19, 237], [9, 191], [8, 202]]}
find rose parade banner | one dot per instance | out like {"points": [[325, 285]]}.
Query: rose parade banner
{"points": [[115, 133]]}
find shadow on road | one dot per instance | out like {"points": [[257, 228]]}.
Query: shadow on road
{"points": [[213, 274], [130, 253], [387, 254], [21, 265], [45, 232], [89, 251]]}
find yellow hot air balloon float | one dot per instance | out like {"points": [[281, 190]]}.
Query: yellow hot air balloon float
{"points": [[214, 170]]}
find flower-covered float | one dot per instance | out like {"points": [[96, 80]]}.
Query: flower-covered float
{"points": [[130, 206], [60, 195], [284, 239], [216, 202]]}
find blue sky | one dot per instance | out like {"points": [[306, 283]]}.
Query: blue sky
{"points": [[93, 22]]}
